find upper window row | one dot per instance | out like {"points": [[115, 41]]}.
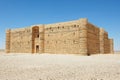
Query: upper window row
{"points": [[62, 27]]}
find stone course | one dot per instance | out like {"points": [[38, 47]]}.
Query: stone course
{"points": [[73, 37]]}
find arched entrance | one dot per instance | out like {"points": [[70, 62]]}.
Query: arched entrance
{"points": [[35, 34], [37, 48]]}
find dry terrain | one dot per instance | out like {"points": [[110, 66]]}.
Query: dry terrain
{"points": [[59, 67]]}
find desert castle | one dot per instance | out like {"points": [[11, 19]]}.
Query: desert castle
{"points": [[73, 37]]}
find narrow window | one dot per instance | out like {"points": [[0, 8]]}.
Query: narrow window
{"points": [[38, 36], [74, 25]]}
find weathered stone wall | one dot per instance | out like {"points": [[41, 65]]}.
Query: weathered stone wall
{"points": [[93, 39], [41, 38], [21, 40], [67, 37], [101, 37], [73, 37]]}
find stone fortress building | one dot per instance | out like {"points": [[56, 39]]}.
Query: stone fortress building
{"points": [[73, 37]]}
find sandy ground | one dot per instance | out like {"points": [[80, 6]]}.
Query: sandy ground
{"points": [[59, 67]]}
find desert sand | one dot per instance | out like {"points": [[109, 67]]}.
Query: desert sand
{"points": [[59, 67]]}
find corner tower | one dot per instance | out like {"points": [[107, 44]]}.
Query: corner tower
{"points": [[41, 38], [8, 33]]}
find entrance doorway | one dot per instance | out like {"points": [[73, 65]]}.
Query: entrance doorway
{"points": [[37, 48]]}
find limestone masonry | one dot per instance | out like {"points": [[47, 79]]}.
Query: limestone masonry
{"points": [[73, 37]]}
